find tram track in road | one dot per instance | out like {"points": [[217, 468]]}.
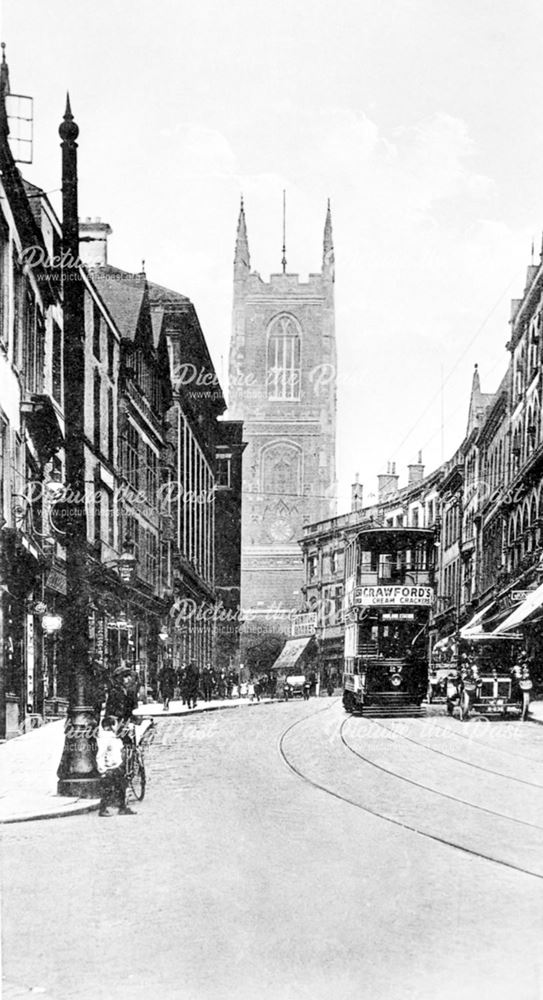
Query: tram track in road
{"points": [[459, 760], [428, 788], [484, 743], [396, 821]]}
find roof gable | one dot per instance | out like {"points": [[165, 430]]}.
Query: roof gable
{"points": [[125, 296]]}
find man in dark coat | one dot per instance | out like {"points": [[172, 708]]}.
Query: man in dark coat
{"points": [[166, 679], [207, 683], [181, 683], [122, 696], [191, 684]]}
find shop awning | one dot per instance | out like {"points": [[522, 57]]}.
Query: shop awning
{"points": [[444, 644], [474, 626], [530, 604], [291, 653]]}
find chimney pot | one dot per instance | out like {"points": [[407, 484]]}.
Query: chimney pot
{"points": [[93, 248], [387, 483], [357, 495]]}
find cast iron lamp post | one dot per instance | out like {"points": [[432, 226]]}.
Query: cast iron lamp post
{"points": [[77, 772]]}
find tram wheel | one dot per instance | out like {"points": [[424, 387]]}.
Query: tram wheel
{"points": [[348, 702]]}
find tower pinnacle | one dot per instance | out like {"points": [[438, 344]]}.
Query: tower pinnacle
{"points": [[4, 73], [242, 259], [328, 259]]}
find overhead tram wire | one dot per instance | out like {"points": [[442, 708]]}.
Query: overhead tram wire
{"points": [[460, 358], [448, 422]]}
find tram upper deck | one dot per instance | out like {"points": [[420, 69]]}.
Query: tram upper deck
{"points": [[381, 557]]}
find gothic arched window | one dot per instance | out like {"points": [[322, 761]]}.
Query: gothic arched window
{"points": [[281, 470], [283, 369]]}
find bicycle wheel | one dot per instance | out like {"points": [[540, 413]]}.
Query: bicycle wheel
{"points": [[137, 777]]}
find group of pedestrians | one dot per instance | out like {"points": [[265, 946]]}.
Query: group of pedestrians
{"points": [[189, 684], [186, 681]]}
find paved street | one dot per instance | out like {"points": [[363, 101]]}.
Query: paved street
{"points": [[246, 873]]}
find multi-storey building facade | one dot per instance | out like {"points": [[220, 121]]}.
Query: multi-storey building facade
{"points": [[147, 457], [31, 434], [195, 435], [128, 395], [282, 385]]}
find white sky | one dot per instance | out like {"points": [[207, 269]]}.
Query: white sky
{"points": [[419, 118]]}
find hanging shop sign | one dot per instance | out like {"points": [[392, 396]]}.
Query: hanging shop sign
{"points": [[305, 624], [56, 580], [99, 639], [30, 661]]}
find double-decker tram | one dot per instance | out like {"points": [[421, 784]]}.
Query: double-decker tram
{"points": [[389, 594]]}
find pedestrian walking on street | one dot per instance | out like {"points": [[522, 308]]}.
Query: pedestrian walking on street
{"points": [[192, 680], [181, 683], [166, 679], [207, 683], [110, 764]]}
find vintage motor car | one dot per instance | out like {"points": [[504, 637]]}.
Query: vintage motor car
{"points": [[296, 686], [493, 693]]}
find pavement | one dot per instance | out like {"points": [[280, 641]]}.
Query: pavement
{"points": [[155, 709], [28, 779], [28, 766]]}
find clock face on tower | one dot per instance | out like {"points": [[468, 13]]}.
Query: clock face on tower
{"points": [[281, 530]]}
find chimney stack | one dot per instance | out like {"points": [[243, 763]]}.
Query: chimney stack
{"points": [[357, 494], [93, 234], [415, 472], [387, 483]]}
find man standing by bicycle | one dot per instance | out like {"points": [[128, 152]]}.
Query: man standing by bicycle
{"points": [[110, 764], [122, 696]]}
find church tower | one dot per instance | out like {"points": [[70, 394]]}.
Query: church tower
{"points": [[282, 384]]}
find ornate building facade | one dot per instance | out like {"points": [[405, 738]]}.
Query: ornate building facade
{"points": [[283, 387]]}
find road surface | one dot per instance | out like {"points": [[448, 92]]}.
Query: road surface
{"points": [[289, 851]]}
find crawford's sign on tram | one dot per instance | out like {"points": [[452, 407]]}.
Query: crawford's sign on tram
{"points": [[396, 596]]}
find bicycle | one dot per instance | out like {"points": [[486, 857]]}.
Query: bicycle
{"points": [[134, 760]]}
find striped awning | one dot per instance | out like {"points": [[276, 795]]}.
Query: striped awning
{"points": [[291, 653], [473, 628], [532, 603]]}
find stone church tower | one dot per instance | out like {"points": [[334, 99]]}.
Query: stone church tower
{"points": [[282, 384]]}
